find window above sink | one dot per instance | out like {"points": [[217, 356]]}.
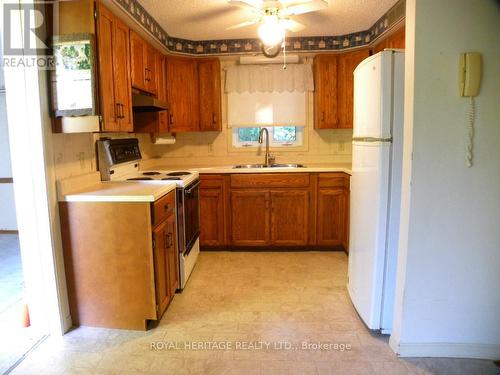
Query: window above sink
{"points": [[279, 136]]}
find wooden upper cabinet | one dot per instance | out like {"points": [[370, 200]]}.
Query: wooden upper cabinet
{"points": [[143, 64], [289, 216], [114, 72], [347, 62], [183, 95], [161, 76], [325, 92], [395, 40], [210, 94]]}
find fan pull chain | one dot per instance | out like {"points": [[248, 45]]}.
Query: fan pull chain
{"points": [[284, 52], [470, 143]]}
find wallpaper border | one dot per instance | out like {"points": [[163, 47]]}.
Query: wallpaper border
{"points": [[252, 45]]}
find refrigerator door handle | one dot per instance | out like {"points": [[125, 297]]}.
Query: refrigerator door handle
{"points": [[371, 139]]}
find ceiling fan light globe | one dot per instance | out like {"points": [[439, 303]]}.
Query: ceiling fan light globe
{"points": [[271, 33]]}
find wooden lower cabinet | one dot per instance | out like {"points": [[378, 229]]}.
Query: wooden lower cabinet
{"points": [[212, 211], [331, 212], [250, 219], [272, 210], [289, 217], [122, 272]]}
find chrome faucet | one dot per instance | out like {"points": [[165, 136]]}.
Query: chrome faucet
{"points": [[268, 159]]}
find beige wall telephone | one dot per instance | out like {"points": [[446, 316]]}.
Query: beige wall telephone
{"points": [[469, 80], [470, 73]]}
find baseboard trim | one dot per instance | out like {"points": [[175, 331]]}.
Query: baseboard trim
{"points": [[450, 350], [9, 231]]}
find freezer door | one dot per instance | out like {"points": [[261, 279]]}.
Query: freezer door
{"points": [[368, 223], [373, 96]]}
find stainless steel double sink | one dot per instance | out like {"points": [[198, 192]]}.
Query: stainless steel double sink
{"points": [[239, 166]]}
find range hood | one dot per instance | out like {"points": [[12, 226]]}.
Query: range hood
{"points": [[147, 103]]}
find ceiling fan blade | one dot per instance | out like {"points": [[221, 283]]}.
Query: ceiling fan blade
{"points": [[310, 6], [243, 24], [293, 26], [257, 4]]}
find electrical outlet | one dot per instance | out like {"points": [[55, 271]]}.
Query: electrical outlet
{"points": [[341, 146], [81, 159]]}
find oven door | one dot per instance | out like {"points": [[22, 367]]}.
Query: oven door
{"points": [[191, 215]]}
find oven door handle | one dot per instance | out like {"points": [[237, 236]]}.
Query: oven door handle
{"points": [[188, 192]]}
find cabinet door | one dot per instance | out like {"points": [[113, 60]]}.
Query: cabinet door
{"points": [[250, 219], [138, 70], [182, 88], [121, 70], [150, 55], [160, 256], [347, 62], [161, 77], [109, 110], [325, 92], [210, 94], [212, 213], [172, 256], [289, 217], [331, 216]]}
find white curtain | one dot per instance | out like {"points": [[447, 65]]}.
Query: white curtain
{"points": [[266, 109], [269, 78]]}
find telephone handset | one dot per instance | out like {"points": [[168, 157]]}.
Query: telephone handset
{"points": [[470, 73], [469, 78]]}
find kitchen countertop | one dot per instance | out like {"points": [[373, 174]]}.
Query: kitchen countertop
{"points": [[89, 188], [325, 168]]}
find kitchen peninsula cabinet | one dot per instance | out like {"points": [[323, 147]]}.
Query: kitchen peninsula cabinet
{"points": [[114, 72], [120, 259]]}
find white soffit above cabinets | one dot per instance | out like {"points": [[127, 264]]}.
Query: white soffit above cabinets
{"points": [[209, 19]]}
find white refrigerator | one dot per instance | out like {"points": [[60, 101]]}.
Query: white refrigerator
{"points": [[377, 153]]}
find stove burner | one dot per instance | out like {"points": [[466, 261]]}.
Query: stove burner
{"points": [[139, 179], [152, 173], [178, 173], [172, 178]]}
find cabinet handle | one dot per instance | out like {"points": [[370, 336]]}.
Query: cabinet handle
{"points": [[166, 241], [166, 207], [171, 239], [123, 110], [117, 111], [214, 119], [146, 74], [323, 116], [171, 119]]}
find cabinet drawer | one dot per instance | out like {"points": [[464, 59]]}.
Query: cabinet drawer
{"points": [[332, 180], [163, 207], [266, 180]]}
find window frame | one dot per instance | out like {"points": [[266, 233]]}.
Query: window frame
{"points": [[299, 142]]}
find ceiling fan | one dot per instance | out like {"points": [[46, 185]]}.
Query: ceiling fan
{"points": [[274, 17]]}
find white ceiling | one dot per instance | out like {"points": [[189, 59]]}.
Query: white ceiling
{"points": [[208, 19]]}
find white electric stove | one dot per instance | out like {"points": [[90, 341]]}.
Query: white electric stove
{"points": [[119, 162]]}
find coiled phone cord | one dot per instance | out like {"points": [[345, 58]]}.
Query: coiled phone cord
{"points": [[470, 143]]}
